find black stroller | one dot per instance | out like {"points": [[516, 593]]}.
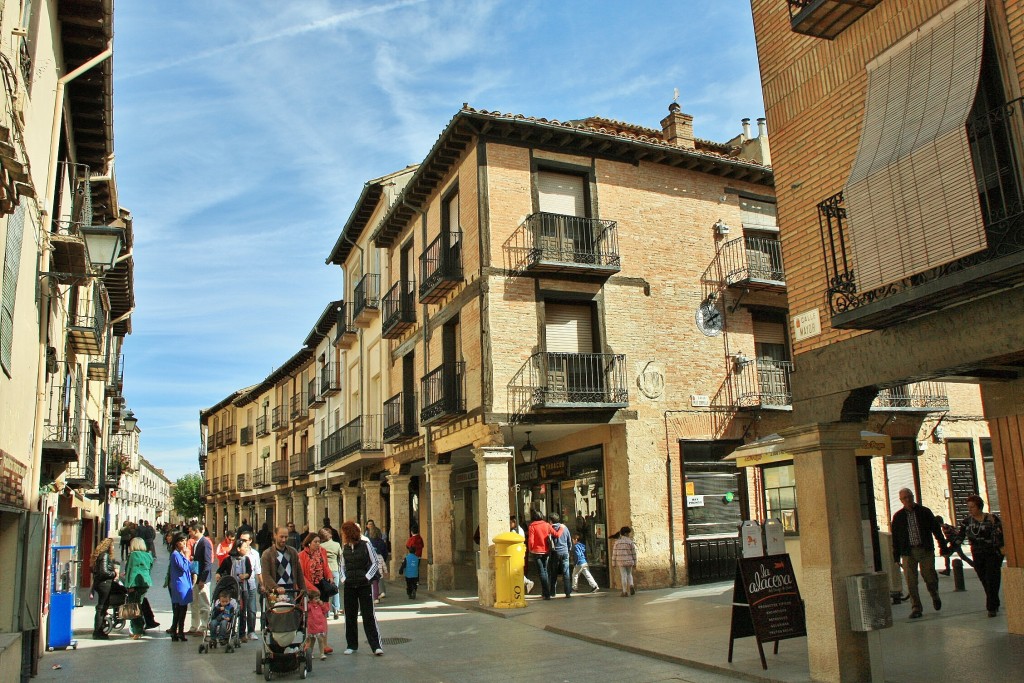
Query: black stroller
{"points": [[228, 584], [112, 619], [284, 637]]}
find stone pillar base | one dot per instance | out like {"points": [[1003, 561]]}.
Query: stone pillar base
{"points": [[440, 577]]}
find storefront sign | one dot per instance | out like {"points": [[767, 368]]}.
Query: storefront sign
{"points": [[554, 468], [528, 472], [766, 602], [695, 501], [466, 477], [762, 459]]}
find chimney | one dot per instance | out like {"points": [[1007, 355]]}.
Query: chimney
{"points": [[762, 128], [677, 127], [746, 129]]}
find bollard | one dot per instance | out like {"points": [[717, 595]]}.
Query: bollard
{"points": [[958, 576]]}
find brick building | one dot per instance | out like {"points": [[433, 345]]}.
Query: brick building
{"points": [[896, 139]]}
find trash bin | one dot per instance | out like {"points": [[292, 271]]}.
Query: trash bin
{"points": [[509, 563], [63, 588]]}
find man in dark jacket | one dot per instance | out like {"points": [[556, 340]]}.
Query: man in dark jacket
{"points": [[202, 556], [912, 530]]}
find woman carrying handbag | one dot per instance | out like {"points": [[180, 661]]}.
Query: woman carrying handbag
{"points": [[137, 580], [317, 571]]}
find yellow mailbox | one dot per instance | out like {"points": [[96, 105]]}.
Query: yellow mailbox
{"points": [[509, 564]]}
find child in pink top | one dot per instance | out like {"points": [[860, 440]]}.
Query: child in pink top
{"points": [[316, 622]]}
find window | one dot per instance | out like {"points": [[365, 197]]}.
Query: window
{"points": [[988, 459], [758, 215], [963, 475], [780, 495]]}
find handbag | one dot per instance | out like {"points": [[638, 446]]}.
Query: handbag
{"points": [[328, 589], [129, 610]]}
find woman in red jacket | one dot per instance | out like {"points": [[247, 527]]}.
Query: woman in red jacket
{"points": [[315, 569]]}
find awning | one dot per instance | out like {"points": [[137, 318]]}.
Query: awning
{"points": [[772, 448]]}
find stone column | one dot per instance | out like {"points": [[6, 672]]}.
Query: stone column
{"points": [[232, 506], [399, 518], [350, 498], [314, 508], [374, 504], [299, 509], [441, 570], [831, 547], [283, 512], [332, 507], [494, 481], [211, 514]]}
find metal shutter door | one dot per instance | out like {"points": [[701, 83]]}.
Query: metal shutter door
{"points": [[560, 193], [912, 198], [567, 329], [769, 332], [899, 475]]}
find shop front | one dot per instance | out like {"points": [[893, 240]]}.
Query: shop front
{"points": [[571, 485]]}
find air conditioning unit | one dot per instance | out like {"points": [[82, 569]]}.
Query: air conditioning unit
{"points": [[868, 594]]}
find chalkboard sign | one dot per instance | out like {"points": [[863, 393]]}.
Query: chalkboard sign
{"points": [[766, 602]]}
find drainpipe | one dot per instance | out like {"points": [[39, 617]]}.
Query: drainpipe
{"points": [[44, 264]]}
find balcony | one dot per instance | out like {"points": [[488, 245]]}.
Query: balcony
{"points": [[314, 397], [244, 482], [345, 331], [361, 441], [329, 384], [69, 257], [228, 435], [298, 466], [998, 267], [261, 426], [211, 485], [826, 18], [62, 428], [85, 329], [279, 472], [762, 383], [441, 267], [279, 419], [916, 397], [330, 448], [398, 309], [366, 300], [400, 418], [259, 478], [553, 243], [115, 383], [298, 407], [82, 475], [570, 380], [751, 263], [311, 465], [444, 393], [226, 483], [246, 436], [98, 371], [113, 477], [202, 458]]}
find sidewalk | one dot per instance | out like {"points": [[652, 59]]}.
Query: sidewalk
{"points": [[690, 626]]}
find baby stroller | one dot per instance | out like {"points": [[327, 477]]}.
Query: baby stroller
{"points": [[228, 584], [284, 635], [112, 619]]}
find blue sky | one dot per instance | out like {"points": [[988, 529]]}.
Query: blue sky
{"points": [[245, 129]]}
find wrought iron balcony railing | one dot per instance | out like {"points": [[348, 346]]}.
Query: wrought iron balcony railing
{"points": [[921, 397], [259, 478], [366, 298], [570, 380], [225, 482], [398, 312], [261, 426], [244, 482], [297, 406], [314, 397], [444, 392], [82, 475], [992, 136], [202, 458], [400, 418], [85, 329], [826, 18], [345, 330], [441, 267], [762, 383], [362, 434], [329, 384], [64, 422], [228, 435], [279, 418], [245, 437], [552, 242], [749, 262], [298, 466], [211, 485], [279, 472], [330, 448]]}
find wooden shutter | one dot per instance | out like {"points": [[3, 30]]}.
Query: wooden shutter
{"points": [[560, 193], [567, 329], [9, 291], [912, 198]]}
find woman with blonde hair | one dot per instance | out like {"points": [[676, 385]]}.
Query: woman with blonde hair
{"points": [[104, 571], [137, 580]]}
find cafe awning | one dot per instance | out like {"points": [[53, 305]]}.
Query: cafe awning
{"points": [[772, 449]]}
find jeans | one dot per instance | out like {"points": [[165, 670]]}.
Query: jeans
{"points": [[359, 599], [102, 590], [220, 628], [558, 565], [542, 568]]}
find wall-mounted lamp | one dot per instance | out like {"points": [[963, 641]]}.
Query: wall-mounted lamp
{"points": [[130, 421], [721, 228], [103, 244], [739, 361], [939, 434], [528, 451]]}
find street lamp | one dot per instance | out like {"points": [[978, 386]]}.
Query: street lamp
{"points": [[103, 244], [130, 421], [528, 451]]}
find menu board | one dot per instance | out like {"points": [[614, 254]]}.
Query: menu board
{"points": [[766, 602]]}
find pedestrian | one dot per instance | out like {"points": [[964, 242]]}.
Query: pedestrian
{"points": [[137, 580], [224, 548], [558, 558], [126, 535], [202, 557], [410, 569], [104, 571], [984, 531], [537, 545], [149, 535], [244, 528], [316, 570], [180, 586], [415, 541], [333, 550], [356, 571], [944, 548], [913, 527], [265, 538], [255, 587], [624, 557], [224, 610], [371, 531], [238, 565], [335, 536], [294, 538], [381, 546], [579, 550], [282, 569], [316, 623]]}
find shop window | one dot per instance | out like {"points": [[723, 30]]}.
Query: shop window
{"points": [[780, 496]]}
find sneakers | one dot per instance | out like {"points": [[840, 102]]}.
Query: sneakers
{"points": [[323, 657], [349, 651], [379, 652], [595, 588]]}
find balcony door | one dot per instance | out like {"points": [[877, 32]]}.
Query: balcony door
{"points": [[565, 235], [408, 391], [772, 355], [573, 371]]}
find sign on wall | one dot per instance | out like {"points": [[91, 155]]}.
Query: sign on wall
{"points": [[806, 325]]}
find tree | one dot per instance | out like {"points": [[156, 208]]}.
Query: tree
{"points": [[188, 498]]}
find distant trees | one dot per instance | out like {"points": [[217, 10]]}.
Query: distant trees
{"points": [[188, 496]]}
